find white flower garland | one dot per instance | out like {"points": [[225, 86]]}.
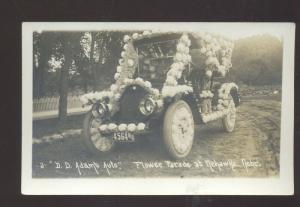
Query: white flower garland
{"points": [[211, 45], [224, 90], [206, 94], [171, 91], [181, 59], [132, 127], [119, 88], [96, 96], [139, 81], [223, 93], [223, 103], [116, 90], [214, 115]]}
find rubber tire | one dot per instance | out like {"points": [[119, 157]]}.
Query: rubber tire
{"points": [[167, 130], [87, 138], [226, 126]]}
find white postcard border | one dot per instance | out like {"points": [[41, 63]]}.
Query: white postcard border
{"points": [[283, 185]]}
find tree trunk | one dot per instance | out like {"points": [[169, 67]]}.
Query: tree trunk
{"points": [[41, 77], [85, 84], [92, 61], [63, 85]]}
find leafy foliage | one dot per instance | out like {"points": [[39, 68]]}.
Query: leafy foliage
{"points": [[257, 60], [93, 60]]}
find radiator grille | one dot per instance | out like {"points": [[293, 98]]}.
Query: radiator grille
{"points": [[129, 105]]}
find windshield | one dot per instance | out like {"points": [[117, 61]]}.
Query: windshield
{"points": [[155, 59]]}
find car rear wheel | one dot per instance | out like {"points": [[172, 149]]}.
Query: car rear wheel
{"points": [[95, 141], [178, 129], [229, 120]]}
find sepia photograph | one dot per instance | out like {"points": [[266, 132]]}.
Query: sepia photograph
{"points": [[144, 108]]}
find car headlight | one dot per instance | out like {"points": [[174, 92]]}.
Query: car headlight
{"points": [[147, 106]]}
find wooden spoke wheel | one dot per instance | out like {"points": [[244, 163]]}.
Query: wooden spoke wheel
{"points": [[178, 129], [95, 141]]}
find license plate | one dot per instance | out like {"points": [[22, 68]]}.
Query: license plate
{"points": [[123, 136]]}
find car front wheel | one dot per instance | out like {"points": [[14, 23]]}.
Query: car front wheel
{"points": [[95, 141], [178, 129]]}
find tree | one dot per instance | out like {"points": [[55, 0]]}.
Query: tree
{"points": [[258, 60], [68, 43], [43, 48], [92, 61], [62, 58]]}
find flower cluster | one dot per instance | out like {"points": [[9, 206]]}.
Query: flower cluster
{"points": [[206, 94], [171, 91], [127, 62], [145, 84], [111, 127], [118, 89], [215, 48], [144, 34], [223, 94], [223, 103], [224, 90], [214, 115], [181, 59], [96, 96]]}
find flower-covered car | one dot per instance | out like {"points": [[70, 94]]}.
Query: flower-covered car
{"points": [[167, 82]]}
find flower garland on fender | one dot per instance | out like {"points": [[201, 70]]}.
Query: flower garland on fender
{"points": [[223, 95], [223, 103]]}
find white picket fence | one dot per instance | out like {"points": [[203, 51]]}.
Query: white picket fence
{"points": [[47, 107]]}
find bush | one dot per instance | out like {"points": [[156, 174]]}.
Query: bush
{"points": [[257, 60]]}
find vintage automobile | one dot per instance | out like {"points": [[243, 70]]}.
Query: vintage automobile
{"points": [[167, 82]]}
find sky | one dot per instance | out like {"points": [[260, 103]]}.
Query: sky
{"points": [[237, 34], [240, 30]]}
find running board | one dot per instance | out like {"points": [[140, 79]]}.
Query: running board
{"points": [[214, 115]]}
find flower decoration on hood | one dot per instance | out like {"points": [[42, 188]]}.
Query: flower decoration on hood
{"points": [[218, 58]]}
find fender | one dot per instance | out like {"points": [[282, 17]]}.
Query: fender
{"points": [[232, 89], [189, 98], [236, 96]]}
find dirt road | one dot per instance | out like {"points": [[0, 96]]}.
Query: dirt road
{"points": [[252, 150]]}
